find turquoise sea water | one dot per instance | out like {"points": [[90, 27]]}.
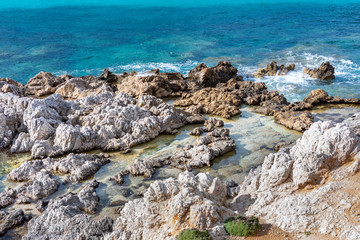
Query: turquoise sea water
{"points": [[84, 37]]}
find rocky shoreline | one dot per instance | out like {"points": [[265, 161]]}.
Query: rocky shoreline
{"points": [[304, 187]]}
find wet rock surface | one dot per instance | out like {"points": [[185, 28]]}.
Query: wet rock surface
{"points": [[170, 206], [324, 72], [272, 70], [205, 149], [79, 166], [68, 217]]}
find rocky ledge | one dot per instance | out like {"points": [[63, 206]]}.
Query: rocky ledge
{"points": [[109, 121]]}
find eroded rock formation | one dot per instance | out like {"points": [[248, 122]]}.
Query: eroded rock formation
{"points": [[53, 126], [324, 72], [171, 205], [79, 166], [205, 149], [68, 217], [272, 70]]}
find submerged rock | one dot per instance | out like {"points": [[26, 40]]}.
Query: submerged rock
{"points": [[79, 166], [66, 217], [170, 206], [206, 148], [272, 70], [324, 72]]}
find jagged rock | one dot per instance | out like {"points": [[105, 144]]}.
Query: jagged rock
{"points": [[52, 126], [80, 87], [204, 76], [170, 206], [79, 166], [41, 205], [273, 190], [109, 76], [206, 148], [226, 98], [212, 123], [272, 70], [66, 218], [9, 85], [197, 131], [324, 72], [211, 101], [280, 145], [159, 85], [43, 83], [39, 186], [299, 121], [11, 220]]}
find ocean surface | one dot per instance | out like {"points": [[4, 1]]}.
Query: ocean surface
{"points": [[84, 37]]}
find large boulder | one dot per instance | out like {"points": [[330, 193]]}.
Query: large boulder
{"points": [[169, 206], [325, 72], [204, 76]]}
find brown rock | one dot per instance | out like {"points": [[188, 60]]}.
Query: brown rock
{"points": [[272, 69], [205, 76], [43, 83], [161, 85], [324, 72], [299, 121], [211, 101]]}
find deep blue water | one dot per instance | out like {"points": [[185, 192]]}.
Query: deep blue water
{"points": [[77, 38]]}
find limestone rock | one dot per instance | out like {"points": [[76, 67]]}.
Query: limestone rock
{"points": [[206, 148], [66, 218], [79, 166], [43, 83], [204, 76], [39, 186], [299, 121], [324, 72], [159, 85], [197, 131], [53, 126], [272, 70], [80, 87], [272, 191], [11, 220], [211, 101], [169, 206]]}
